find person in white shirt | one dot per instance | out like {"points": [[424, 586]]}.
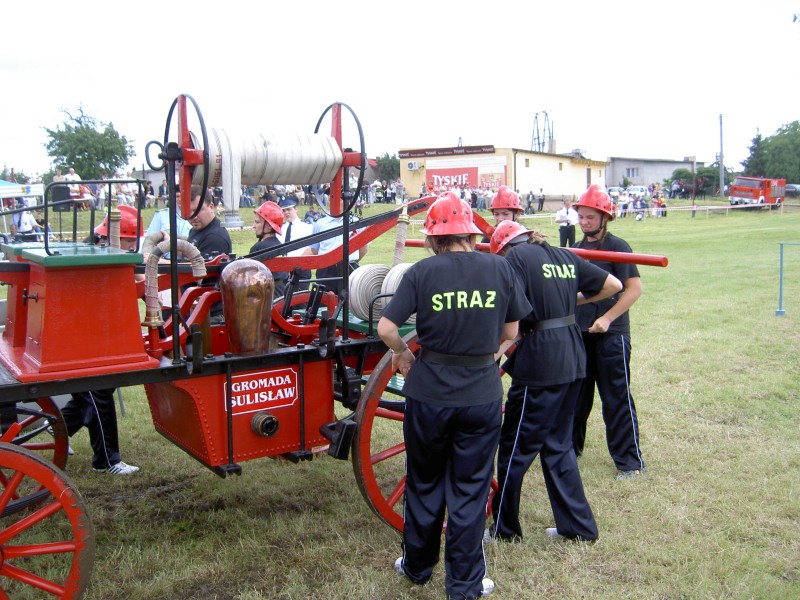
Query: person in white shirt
{"points": [[24, 230], [294, 228], [567, 218], [74, 190]]}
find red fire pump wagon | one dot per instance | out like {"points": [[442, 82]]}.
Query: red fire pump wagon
{"points": [[757, 191], [263, 383]]}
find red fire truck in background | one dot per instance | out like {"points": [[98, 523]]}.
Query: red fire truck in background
{"points": [[757, 191]]}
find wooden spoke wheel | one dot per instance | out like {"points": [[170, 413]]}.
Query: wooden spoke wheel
{"points": [[379, 460], [44, 431], [378, 445], [40, 429], [47, 550]]}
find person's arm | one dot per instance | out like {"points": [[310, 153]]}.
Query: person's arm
{"points": [[510, 331], [402, 357], [633, 289], [508, 337], [610, 287]]}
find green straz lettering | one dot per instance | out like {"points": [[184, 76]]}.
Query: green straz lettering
{"points": [[462, 299], [551, 271]]}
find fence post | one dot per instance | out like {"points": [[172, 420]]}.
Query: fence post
{"points": [[780, 312]]}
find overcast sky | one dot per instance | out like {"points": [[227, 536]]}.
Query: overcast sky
{"points": [[624, 78]]}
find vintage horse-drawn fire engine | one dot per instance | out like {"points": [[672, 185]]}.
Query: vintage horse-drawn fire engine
{"points": [[263, 383]]}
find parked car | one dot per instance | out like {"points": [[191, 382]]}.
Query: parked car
{"points": [[614, 192], [638, 191], [793, 189]]}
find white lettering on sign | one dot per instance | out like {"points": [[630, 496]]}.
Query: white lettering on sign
{"points": [[262, 391], [450, 180]]}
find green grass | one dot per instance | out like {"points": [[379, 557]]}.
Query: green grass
{"points": [[716, 383]]}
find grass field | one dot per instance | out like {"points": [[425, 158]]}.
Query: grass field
{"points": [[717, 386]]}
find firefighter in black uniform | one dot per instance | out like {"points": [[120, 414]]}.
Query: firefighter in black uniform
{"points": [[545, 370], [505, 207], [607, 337], [466, 304]]}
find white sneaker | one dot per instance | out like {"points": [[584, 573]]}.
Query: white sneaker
{"points": [[70, 451], [488, 586], [398, 566], [120, 468], [553, 534]]}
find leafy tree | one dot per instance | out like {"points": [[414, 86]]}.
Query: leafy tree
{"points": [[682, 174], [783, 153], [776, 156], [388, 167], [87, 145], [755, 164], [12, 175]]}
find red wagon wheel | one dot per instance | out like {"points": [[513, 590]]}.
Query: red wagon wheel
{"points": [[41, 429], [378, 446], [48, 548]]}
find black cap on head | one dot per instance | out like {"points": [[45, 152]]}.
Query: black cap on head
{"points": [[287, 202]]}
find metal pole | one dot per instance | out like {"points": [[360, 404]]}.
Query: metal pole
{"points": [[694, 185], [721, 161], [780, 312]]}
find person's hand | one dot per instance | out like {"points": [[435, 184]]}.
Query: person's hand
{"points": [[403, 362], [601, 325]]}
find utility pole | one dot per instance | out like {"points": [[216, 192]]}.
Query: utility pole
{"points": [[721, 161]]}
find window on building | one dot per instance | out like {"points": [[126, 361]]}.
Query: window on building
{"points": [[560, 166], [632, 172], [527, 162]]}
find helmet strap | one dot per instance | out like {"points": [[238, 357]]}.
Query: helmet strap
{"points": [[603, 223]]}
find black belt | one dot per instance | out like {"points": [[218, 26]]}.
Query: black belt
{"points": [[549, 324], [456, 360]]}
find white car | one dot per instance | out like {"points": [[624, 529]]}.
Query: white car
{"points": [[614, 192], [637, 191]]}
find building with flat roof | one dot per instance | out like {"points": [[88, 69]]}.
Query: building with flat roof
{"points": [[644, 171], [555, 175]]}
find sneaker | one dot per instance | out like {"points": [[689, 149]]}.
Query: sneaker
{"points": [[552, 534], [634, 474], [488, 586], [398, 566], [490, 537], [120, 468], [70, 451]]}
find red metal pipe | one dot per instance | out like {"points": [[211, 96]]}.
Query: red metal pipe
{"points": [[650, 260]]}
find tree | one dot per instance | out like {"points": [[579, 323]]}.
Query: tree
{"points": [[783, 153], [87, 145], [755, 164], [388, 167], [15, 176]]}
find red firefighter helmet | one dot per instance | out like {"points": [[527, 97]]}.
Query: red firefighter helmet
{"points": [[449, 215], [505, 198], [272, 214], [597, 199], [506, 233], [127, 224]]}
